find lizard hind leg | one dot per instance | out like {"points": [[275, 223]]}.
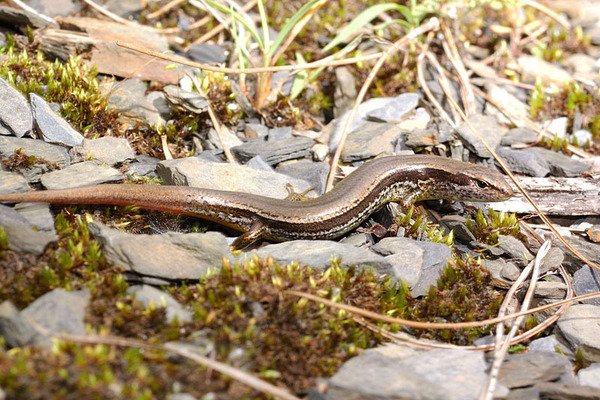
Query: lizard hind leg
{"points": [[255, 233]]}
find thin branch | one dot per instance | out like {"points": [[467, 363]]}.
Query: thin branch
{"points": [[208, 67], [542, 8]]}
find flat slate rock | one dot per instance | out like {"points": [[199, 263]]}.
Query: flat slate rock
{"points": [[524, 162], [38, 215], [129, 98], [318, 254], [578, 325], [587, 280], [533, 67], [590, 376], [14, 328], [107, 150], [81, 174], [560, 165], [21, 19], [11, 182], [369, 140], [59, 311], [488, 127], [519, 136], [395, 110], [49, 155], [151, 296], [407, 261], [557, 391], [193, 171], [387, 373], [52, 127], [314, 173], [435, 257], [207, 53], [540, 367], [15, 113], [274, 151], [170, 255], [22, 237]]}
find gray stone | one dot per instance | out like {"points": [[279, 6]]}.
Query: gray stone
{"points": [[320, 151], [226, 136], [590, 376], [159, 101], [14, 328], [129, 98], [506, 101], [524, 161], [49, 155], [82, 174], [395, 110], [170, 255], [195, 172], [435, 257], [581, 63], [274, 151], [107, 150], [207, 53], [55, 8], [515, 249], [15, 113], [549, 344], [488, 127], [456, 224], [149, 296], [369, 140], [533, 67], [560, 164], [407, 265], [550, 290], [259, 164], [577, 326], [51, 126], [529, 393], [59, 311], [358, 240], [191, 101], [519, 136], [382, 374], [587, 280], [124, 8], [345, 91], [314, 173], [38, 215], [11, 182], [553, 260], [22, 237], [510, 271], [19, 19], [422, 138], [143, 166], [253, 130], [495, 268], [280, 133], [540, 367], [557, 391], [557, 126], [318, 254], [582, 136]]}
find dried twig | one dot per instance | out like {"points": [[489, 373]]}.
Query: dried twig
{"points": [[208, 67], [32, 10], [503, 341], [542, 8], [165, 9]]}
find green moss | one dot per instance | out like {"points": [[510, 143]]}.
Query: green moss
{"points": [[420, 227], [71, 84], [488, 226], [3, 241]]}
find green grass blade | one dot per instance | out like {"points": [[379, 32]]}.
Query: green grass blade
{"points": [[239, 18]]}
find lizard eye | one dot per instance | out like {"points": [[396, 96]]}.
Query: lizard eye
{"points": [[482, 184]]}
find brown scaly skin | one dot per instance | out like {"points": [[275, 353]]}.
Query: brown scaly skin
{"points": [[404, 179]]}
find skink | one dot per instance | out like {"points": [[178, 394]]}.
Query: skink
{"points": [[405, 179]]}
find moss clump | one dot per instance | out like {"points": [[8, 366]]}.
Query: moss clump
{"points": [[420, 227], [487, 228], [3, 241], [71, 84], [463, 293], [72, 372], [20, 160], [75, 261]]}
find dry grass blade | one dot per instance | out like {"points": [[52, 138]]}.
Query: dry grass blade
{"points": [[32, 10], [542, 8], [468, 97], [445, 84], [430, 25], [219, 128], [503, 341], [234, 373], [525, 193], [429, 94], [439, 325], [257, 70], [165, 9], [107, 13]]}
